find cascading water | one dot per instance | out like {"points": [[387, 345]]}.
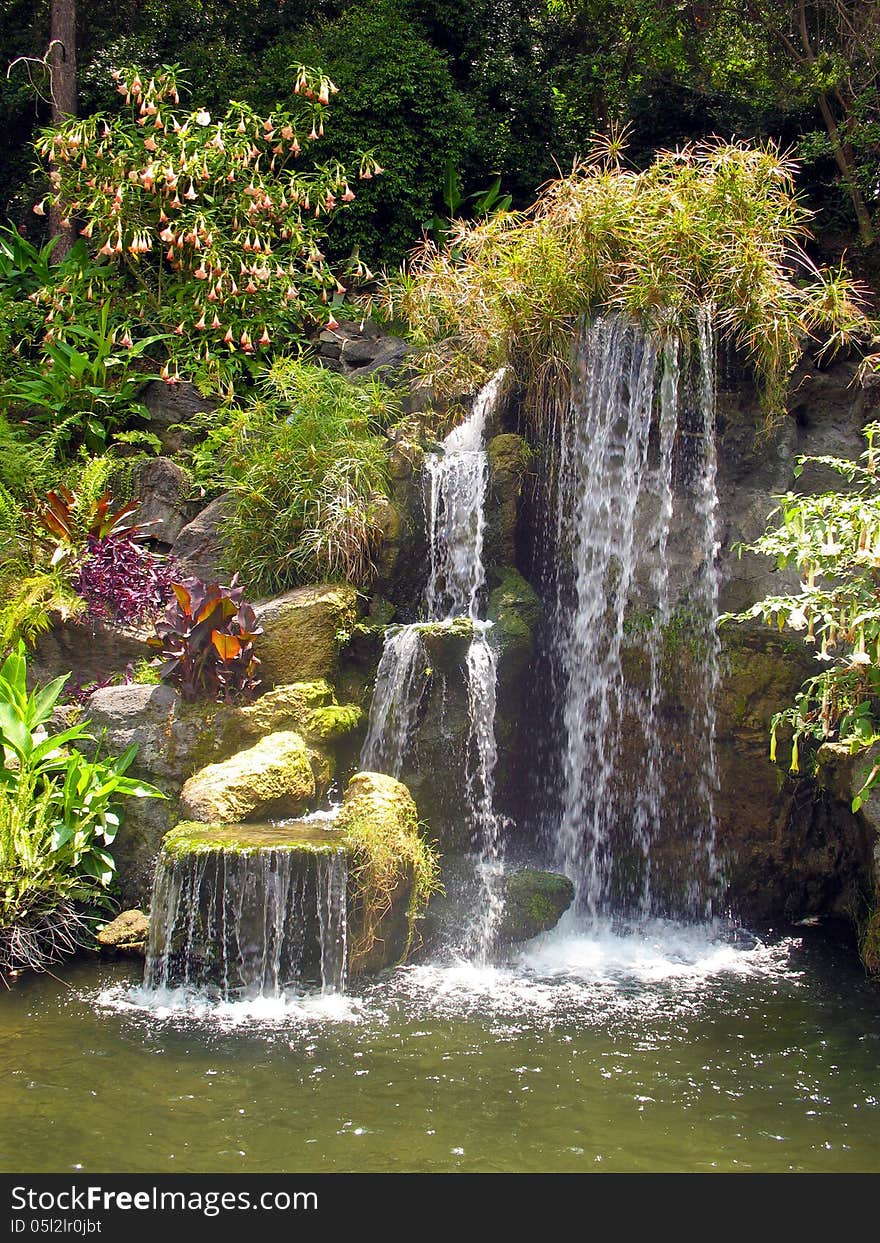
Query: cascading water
{"points": [[619, 479], [400, 684], [249, 923], [457, 481]]}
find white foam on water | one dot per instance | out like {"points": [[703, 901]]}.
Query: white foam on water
{"points": [[184, 1005]]}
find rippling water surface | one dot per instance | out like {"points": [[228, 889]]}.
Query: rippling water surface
{"points": [[659, 1050]]}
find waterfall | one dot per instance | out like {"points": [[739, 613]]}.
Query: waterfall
{"points": [[400, 683], [249, 923], [482, 680], [456, 484], [631, 455]]}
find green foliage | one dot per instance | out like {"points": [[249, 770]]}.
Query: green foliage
{"points": [[85, 381], [833, 540], [716, 226], [482, 203], [398, 97], [206, 641], [30, 598], [59, 811], [308, 466]]}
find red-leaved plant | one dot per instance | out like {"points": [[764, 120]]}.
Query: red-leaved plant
{"points": [[206, 641]]}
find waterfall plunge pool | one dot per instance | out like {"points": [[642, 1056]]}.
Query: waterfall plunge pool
{"points": [[659, 1051]]}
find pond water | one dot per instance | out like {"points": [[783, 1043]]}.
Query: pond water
{"points": [[662, 1050]]}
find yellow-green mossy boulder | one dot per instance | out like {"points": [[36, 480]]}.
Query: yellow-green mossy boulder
{"points": [[302, 631], [126, 934], [394, 870], [275, 777]]}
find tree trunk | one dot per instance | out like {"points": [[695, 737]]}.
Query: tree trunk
{"points": [[840, 149], [62, 61], [844, 163]]}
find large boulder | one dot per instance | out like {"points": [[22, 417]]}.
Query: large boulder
{"points": [[89, 650], [176, 739], [198, 547], [303, 632], [172, 409], [273, 778], [172, 738], [359, 349], [165, 509]]}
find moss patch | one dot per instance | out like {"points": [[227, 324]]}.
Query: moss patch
{"points": [[514, 606], [193, 838], [333, 722], [534, 902]]}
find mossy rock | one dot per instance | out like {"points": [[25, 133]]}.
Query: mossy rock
{"points": [[447, 643], [509, 456], [334, 721], [534, 902], [394, 871], [515, 608], [192, 837], [303, 632], [274, 777], [128, 933]]}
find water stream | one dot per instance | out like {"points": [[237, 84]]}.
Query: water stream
{"points": [[239, 924]]}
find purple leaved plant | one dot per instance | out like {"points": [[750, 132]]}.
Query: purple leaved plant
{"points": [[122, 581]]}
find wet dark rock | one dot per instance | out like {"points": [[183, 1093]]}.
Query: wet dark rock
{"points": [[165, 509], [198, 547], [356, 349], [534, 902], [509, 456], [172, 408]]}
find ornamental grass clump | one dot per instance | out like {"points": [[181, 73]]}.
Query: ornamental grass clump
{"points": [[380, 822], [713, 224], [308, 466]]}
